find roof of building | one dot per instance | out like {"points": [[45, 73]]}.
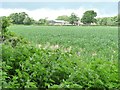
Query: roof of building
{"points": [[57, 21]]}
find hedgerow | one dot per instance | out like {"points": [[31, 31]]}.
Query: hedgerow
{"points": [[26, 66]]}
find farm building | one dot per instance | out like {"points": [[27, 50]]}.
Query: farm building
{"points": [[58, 22], [62, 22]]}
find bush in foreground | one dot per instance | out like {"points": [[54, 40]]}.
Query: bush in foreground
{"points": [[27, 66]]}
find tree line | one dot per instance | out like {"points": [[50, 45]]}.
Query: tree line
{"points": [[109, 21], [88, 18]]}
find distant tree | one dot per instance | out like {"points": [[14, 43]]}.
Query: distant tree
{"points": [[18, 18], [63, 17], [73, 19], [21, 17], [43, 21], [32, 21], [110, 21], [89, 17], [104, 21], [115, 20], [98, 21], [27, 21], [14, 18]]}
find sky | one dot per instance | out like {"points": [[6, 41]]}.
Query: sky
{"points": [[52, 10]]}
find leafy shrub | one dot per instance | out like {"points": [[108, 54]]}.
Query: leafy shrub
{"points": [[26, 66], [4, 23]]}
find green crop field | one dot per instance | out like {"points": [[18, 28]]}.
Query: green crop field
{"points": [[99, 41]]}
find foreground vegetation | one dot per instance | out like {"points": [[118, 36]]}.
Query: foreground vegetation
{"points": [[27, 65]]}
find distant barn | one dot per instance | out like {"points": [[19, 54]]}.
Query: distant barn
{"points": [[58, 22]]}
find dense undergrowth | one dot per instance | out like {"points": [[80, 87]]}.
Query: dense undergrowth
{"points": [[27, 66]]}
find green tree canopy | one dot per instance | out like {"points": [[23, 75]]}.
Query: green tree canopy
{"points": [[73, 18], [21, 17], [27, 21], [18, 18], [89, 17]]}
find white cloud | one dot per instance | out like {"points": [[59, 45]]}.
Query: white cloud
{"points": [[7, 12], [50, 13]]}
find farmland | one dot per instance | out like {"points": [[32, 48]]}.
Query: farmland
{"points": [[60, 57], [100, 41], [59, 46]]}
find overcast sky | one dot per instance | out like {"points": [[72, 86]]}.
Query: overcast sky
{"points": [[51, 10]]}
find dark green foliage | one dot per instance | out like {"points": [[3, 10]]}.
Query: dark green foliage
{"points": [[21, 18], [4, 23], [12, 39], [6, 36], [73, 19], [14, 17], [89, 17], [26, 66], [27, 21]]}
